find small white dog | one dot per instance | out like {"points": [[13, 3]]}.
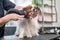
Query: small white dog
{"points": [[28, 27]]}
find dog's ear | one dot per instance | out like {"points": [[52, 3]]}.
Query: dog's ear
{"points": [[24, 9], [36, 7], [28, 8]]}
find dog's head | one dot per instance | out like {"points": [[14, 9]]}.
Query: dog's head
{"points": [[32, 9]]}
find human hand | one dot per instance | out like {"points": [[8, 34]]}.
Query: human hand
{"points": [[18, 7], [15, 17]]}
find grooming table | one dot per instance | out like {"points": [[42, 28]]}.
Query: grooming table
{"points": [[41, 37], [56, 38], [9, 35]]}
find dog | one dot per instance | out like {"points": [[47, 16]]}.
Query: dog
{"points": [[28, 26]]}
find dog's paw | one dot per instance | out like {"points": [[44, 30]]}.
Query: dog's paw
{"points": [[37, 34], [29, 36], [16, 33], [20, 36]]}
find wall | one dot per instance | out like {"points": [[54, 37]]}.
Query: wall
{"points": [[58, 12], [48, 24]]}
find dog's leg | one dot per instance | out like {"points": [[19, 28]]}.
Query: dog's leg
{"points": [[17, 28], [17, 31], [28, 31], [29, 34], [35, 26], [31, 28], [21, 35], [36, 32]]}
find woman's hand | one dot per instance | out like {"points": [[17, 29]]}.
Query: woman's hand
{"points": [[14, 16], [9, 17], [18, 7]]}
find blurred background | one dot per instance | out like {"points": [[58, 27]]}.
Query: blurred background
{"points": [[23, 2], [49, 20], [50, 13]]}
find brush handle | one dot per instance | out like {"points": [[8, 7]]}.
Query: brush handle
{"points": [[19, 12]]}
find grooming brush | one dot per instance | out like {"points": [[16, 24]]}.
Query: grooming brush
{"points": [[19, 12]]}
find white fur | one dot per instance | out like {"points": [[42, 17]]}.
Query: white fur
{"points": [[27, 28]]}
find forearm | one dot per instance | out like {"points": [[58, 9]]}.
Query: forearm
{"points": [[4, 20]]}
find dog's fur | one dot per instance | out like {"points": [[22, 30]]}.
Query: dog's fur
{"points": [[28, 27]]}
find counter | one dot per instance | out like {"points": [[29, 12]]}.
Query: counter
{"points": [[41, 37]]}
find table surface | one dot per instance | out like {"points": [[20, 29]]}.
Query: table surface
{"points": [[41, 37]]}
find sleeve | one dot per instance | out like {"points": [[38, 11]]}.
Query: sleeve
{"points": [[8, 4]]}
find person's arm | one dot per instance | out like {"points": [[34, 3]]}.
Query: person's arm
{"points": [[7, 4], [3, 20], [9, 17]]}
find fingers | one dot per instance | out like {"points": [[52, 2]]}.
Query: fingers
{"points": [[15, 16], [20, 17], [19, 7]]}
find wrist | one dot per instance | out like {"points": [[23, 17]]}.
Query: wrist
{"points": [[8, 17], [4, 19]]}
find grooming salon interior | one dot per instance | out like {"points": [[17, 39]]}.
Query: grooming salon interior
{"points": [[48, 20]]}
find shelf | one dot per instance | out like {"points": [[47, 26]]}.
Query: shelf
{"points": [[49, 13], [48, 8], [47, 18], [46, 13], [45, 21], [46, 5], [48, 2]]}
